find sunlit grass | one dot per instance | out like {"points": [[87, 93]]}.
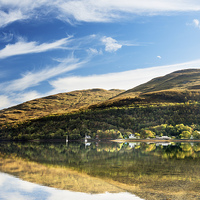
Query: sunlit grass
{"points": [[55, 104]]}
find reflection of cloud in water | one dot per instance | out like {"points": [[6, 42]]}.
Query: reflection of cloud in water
{"points": [[2, 180], [12, 188], [13, 196], [58, 194]]}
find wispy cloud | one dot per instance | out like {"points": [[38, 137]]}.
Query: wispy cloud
{"points": [[112, 10], [31, 79], [93, 51], [159, 57], [120, 80], [22, 47], [89, 10], [11, 16], [6, 37]]}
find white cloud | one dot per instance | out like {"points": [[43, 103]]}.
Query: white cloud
{"points": [[159, 57], [27, 96], [196, 23], [90, 10], [22, 47], [111, 45], [17, 98], [4, 101], [120, 80]]}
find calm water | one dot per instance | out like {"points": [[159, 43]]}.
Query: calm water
{"points": [[99, 171]]}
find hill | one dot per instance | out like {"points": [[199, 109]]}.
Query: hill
{"points": [[188, 79], [179, 86], [55, 104], [170, 104]]}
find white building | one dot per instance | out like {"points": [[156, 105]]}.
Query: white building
{"points": [[132, 136], [163, 137]]}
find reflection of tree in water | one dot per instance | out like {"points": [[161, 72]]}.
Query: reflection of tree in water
{"points": [[181, 151]]}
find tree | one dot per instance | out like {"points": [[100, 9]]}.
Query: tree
{"points": [[147, 133], [196, 135], [185, 135]]}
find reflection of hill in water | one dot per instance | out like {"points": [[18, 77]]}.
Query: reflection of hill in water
{"points": [[147, 170], [56, 177]]}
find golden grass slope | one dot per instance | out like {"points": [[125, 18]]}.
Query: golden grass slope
{"points": [[188, 79], [55, 104]]}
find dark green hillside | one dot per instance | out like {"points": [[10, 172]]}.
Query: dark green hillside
{"points": [[55, 104], [114, 122]]}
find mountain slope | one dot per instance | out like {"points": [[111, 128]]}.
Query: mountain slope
{"points": [[55, 104], [188, 79]]}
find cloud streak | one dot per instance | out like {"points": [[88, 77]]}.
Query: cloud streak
{"points": [[31, 79], [11, 16], [112, 10], [6, 37], [89, 10], [22, 47]]}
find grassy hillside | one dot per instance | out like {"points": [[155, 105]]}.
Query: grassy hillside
{"points": [[55, 104], [188, 79]]}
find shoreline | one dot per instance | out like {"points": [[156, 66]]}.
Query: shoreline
{"points": [[106, 140], [154, 140]]}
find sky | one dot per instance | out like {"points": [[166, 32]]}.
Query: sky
{"points": [[53, 46]]}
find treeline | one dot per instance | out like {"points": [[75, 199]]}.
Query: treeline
{"points": [[114, 122]]}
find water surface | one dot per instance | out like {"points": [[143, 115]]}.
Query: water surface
{"points": [[149, 171]]}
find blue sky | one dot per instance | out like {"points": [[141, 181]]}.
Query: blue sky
{"points": [[53, 46]]}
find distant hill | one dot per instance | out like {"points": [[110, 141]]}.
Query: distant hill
{"points": [[56, 104], [188, 79], [179, 86]]}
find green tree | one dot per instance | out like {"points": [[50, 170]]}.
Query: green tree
{"points": [[185, 135], [147, 133], [196, 135]]}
